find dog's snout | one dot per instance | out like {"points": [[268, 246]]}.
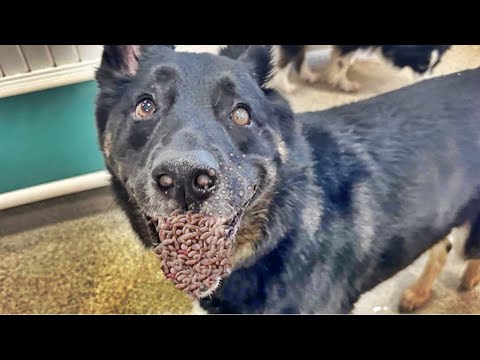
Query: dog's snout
{"points": [[187, 177]]}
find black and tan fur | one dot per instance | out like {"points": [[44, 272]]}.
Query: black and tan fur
{"points": [[343, 199]]}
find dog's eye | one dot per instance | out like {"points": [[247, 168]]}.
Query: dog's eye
{"points": [[145, 108], [240, 116]]}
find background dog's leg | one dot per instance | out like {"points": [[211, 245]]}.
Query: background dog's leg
{"points": [[307, 74], [337, 69], [471, 275], [287, 83], [290, 58], [419, 293]]}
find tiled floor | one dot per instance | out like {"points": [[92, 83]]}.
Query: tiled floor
{"points": [[77, 254]]}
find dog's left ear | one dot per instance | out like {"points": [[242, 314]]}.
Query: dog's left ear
{"points": [[257, 57], [120, 62]]}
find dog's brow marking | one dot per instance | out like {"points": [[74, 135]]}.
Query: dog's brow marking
{"points": [[216, 103], [107, 144], [281, 147]]}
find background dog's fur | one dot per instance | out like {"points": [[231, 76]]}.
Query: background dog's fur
{"points": [[419, 58]]}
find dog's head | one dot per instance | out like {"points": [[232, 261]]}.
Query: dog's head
{"points": [[191, 132], [420, 58]]}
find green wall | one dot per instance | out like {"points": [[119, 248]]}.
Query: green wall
{"points": [[48, 135]]}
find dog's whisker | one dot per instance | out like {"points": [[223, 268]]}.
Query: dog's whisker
{"points": [[216, 103], [106, 211]]}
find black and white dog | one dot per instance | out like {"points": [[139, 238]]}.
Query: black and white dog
{"points": [[420, 58], [326, 205]]}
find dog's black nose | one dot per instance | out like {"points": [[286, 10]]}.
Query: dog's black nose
{"points": [[187, 177]]}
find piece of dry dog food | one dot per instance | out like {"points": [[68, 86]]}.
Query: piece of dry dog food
{"points": [[194, 250]]}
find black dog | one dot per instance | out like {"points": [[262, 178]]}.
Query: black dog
{"points": [[327, 204], [420, 58]]}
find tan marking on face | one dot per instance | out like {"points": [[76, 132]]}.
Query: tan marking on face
{"points": [[250, 232], [107, 144], [281, 147]]}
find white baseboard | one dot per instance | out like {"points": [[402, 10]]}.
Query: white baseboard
{"points": [[54, 189]]}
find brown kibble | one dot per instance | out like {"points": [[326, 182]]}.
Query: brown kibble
{"points": [[196, 247], [205, 236], [192, 287], [224, 262], [194, 251], [188, 236]]}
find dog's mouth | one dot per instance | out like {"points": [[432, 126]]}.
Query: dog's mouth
{"points": [[196, 249]]}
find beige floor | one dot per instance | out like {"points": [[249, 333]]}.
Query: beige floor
{"points": [[78, 255]]}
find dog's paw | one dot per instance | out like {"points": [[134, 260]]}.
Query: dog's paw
{"points": [[414, 298], [310, 77], [348, 86]]}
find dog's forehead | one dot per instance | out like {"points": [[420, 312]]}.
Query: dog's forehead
{"points": [[190, 65]]}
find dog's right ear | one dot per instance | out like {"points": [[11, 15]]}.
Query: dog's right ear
{"points": [[120, 62], [121, 58], [257, 57]]}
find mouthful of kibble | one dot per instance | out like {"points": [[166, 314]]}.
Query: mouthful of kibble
{"points": [[196, 249]]}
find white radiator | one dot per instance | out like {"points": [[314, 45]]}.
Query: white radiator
{"points": [[27, 68]]}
